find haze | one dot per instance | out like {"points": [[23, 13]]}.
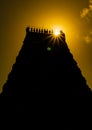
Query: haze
{"points": [[73, 17]]}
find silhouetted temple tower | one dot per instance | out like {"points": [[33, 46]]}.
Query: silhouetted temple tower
{"points": [[42, 81], [45, 67]]}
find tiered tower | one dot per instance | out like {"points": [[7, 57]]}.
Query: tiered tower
{"points": [[44, 67], [43, 85]]}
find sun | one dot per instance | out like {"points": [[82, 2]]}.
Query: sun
{"points": [[56, 36], [56, 32]]}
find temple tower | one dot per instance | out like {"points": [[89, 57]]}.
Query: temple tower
{"points": [[45, 67]]}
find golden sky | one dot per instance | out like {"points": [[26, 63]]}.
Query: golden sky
{"points": [[74, 17]]}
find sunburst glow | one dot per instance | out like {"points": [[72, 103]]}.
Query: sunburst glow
{"points": [[56, 32], [56, 36]]}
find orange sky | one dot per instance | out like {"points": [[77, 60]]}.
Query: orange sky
{"points": [[73, 17]]}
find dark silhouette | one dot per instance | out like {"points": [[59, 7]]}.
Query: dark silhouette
{"points": [[45, 74]]}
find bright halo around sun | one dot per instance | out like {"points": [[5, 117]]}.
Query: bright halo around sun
{"points": [[57, 35], [56, 32]]}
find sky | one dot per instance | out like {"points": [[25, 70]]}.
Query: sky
{"points": [[73, 17]]}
